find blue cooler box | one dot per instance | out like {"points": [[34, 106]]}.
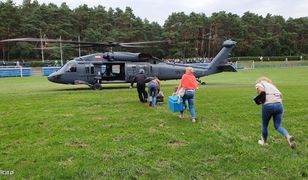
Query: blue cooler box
{"points": [[173, 104]]}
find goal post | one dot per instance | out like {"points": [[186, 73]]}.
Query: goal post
{"points": [[245, 64]]}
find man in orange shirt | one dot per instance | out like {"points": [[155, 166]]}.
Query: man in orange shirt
{"points": [[189, 84]]}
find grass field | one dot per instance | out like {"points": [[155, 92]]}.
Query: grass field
{"points": [[52, 131], [269, 64]]}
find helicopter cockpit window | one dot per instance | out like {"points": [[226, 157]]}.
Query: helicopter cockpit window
{"points": [[71, 67]]}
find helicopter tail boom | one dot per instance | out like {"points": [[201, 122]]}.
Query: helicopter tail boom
{"points": [[220, 62]]}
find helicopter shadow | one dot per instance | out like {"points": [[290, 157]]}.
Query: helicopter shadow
{"points": [[87, 89]]}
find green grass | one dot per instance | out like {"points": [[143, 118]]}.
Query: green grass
{"points": [[52, 131], [271, 64]]}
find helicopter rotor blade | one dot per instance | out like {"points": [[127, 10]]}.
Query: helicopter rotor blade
{"points": [[49, 40], [30, 40], [65, 47], [143, 42], [134, 46], [90, 44], [57, 47], [87, 43]]}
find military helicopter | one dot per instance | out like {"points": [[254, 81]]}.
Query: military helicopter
{"points": [[121, 67]]}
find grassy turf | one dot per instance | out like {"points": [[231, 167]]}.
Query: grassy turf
{"points": [[271, 64], [59, 131]]}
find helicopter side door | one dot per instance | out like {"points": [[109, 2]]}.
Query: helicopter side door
{"points": [[89, 73], [153, 71], [133, 68], [113, 72], [145, 67], [131, 71]]}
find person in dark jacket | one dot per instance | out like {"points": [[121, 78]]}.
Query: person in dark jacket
{"points": [[140, 79]]}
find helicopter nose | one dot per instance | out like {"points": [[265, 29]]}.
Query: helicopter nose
{"points": [[54, 77]]}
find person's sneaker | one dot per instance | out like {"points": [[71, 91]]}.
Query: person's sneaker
{"points": [[193, 120], [262, 142], [181, 116], [150, 104], [290, 140]]}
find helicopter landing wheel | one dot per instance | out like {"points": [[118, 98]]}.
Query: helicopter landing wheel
{"points": [[201, 82], [97, 86]]}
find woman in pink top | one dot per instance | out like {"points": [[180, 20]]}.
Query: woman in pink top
{"points": [[189, 83]]}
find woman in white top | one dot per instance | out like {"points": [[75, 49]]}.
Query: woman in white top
{"points": [[272, 107]]}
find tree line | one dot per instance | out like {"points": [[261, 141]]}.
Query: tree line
{"points": [[192, 35]]}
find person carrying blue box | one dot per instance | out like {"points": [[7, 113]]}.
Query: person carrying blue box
{"points": [[189, 84], [175, 103]]}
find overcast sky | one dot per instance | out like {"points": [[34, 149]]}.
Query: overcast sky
{"points": [[159, 10]]}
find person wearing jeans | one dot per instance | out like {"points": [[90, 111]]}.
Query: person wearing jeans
{"points": [[190, 97], [272, 107], [153, 89], [189, 84], [274, 110]]}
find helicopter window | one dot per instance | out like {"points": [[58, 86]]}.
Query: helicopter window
{"points": [[116, 69], [103, 69], [87, 69], [92, 69], [71, 67]]}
